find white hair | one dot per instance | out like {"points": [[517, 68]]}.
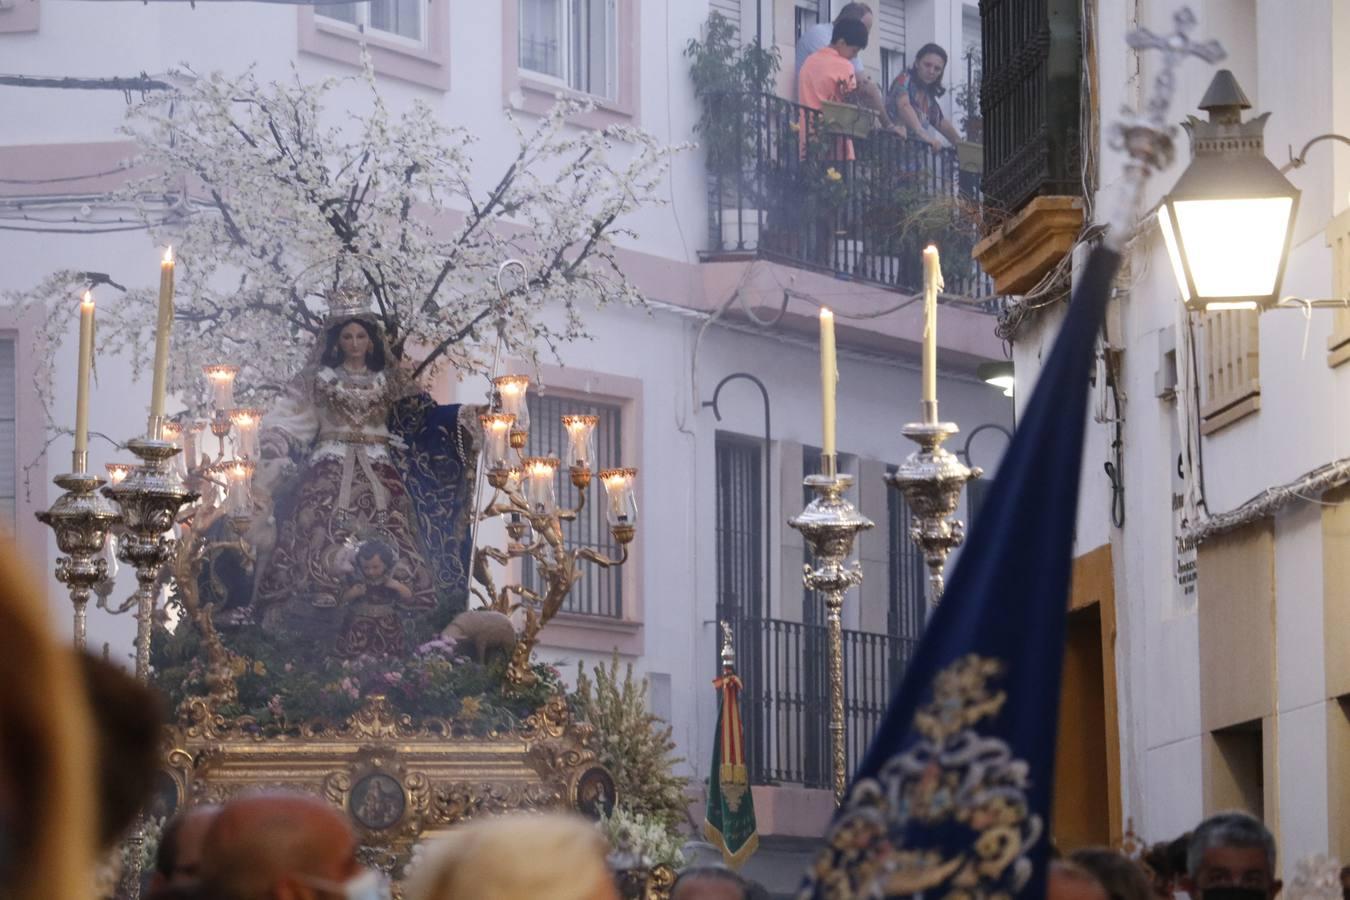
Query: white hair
{"points": [[1229, 829], [514, 857]]}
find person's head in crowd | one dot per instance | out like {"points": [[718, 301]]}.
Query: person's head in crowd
{"points": [[48, 791], [128, 721], [1070, 881], [1345, 882], [929, 64], [482, 860], [859, 12], [1122, 877], [849, 37], [1231, 856], [756, 891], [179, 857], [282, 846], [709, 883], [1166, 861]]}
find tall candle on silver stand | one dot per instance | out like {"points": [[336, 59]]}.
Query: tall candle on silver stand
{"points": [[80, 517], [932, 477], [829, 525]]}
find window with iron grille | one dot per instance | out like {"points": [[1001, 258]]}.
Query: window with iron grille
{"points": [[600, 591], [1030, 100], [740, 523], [908, 606]]}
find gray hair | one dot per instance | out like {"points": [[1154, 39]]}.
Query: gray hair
{"points": [[1229, 829]]}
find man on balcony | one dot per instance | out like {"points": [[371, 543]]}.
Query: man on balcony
{"points": [[828, 75], [821, 35]]}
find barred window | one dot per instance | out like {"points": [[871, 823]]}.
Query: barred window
{"points": [[908, 606], [740, 522], [600, 591]]}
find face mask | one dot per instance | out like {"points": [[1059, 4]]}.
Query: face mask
{"points": [[369, 885], [1233, 893]]}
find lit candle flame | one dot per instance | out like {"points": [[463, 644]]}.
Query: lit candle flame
{"points": [[168, 256], [88, 299]]}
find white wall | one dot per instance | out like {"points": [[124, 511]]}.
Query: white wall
{"points": [[1285, 64]]}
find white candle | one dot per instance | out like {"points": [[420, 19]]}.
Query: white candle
{"points": [[162, 325], [932, 283], [82, 378], [829, 380]]}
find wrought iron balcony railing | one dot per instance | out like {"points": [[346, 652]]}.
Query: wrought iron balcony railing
{"points": [[784, 184], [786, 696]]}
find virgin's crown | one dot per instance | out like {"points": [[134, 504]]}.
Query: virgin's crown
{"points": [[349, 302]]}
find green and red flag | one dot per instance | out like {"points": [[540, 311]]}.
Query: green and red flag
{"points": [[729, 822]]}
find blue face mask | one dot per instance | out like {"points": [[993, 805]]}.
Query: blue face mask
{"points": [[369, 885]]}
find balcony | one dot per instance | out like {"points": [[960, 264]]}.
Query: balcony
{"points": [[781, 188], [786, 700]]}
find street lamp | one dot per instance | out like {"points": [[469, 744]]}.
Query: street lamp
{"points": [[998, 374], [1229, 220]]}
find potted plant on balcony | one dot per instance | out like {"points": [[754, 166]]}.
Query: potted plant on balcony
{"points": [[729, 78]]}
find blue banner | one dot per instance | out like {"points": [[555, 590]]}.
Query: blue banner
{"points": [[953, 799]]}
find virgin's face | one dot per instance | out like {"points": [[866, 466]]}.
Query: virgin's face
{"points": [[930, 68], [354, 342]]}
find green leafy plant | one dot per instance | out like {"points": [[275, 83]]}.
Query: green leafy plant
{"points": [[634, 744], [728, 76]]}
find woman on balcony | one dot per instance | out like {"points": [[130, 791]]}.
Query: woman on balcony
{"points": [[912, 99]]}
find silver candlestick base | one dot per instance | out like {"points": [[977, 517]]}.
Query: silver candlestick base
{"points": [[829, 524], [150, 498], [81, 519], [931, 480]]}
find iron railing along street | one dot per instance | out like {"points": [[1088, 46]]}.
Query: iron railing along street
{"points": [[786, 697]]}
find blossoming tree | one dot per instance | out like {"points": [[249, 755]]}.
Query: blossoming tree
{"points": [[269, 200]]}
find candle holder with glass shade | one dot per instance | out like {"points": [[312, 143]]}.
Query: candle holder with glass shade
{"points": [[525, 496]]}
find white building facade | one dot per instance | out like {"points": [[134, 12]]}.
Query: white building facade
{"points": [[1222, 674]]}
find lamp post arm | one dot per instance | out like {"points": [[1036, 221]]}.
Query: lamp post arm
{"points": [[1305, 303], [1298, 162]]}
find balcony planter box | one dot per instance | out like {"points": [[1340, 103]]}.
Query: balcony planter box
{"points": [[740, 228], [847, 119]]}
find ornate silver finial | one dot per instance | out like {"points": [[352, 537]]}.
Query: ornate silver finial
{"points": [[1147, 136], [728, 649]]}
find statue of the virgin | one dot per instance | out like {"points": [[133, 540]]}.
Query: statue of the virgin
{"points": [[373, 524]]}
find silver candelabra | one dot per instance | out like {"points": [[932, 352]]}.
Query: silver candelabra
{"points": [[931, 479], [829, 525]]}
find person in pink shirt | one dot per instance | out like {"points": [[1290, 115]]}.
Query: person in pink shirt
{"points": [[828, 75]]}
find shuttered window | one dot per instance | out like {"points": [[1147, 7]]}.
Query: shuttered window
{"points": [[1338, 239], [600, 591], [1231, 352], [890, 30]]}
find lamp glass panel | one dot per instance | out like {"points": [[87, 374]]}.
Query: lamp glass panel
{"points": [[1234, 246], [1170, 240]]}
